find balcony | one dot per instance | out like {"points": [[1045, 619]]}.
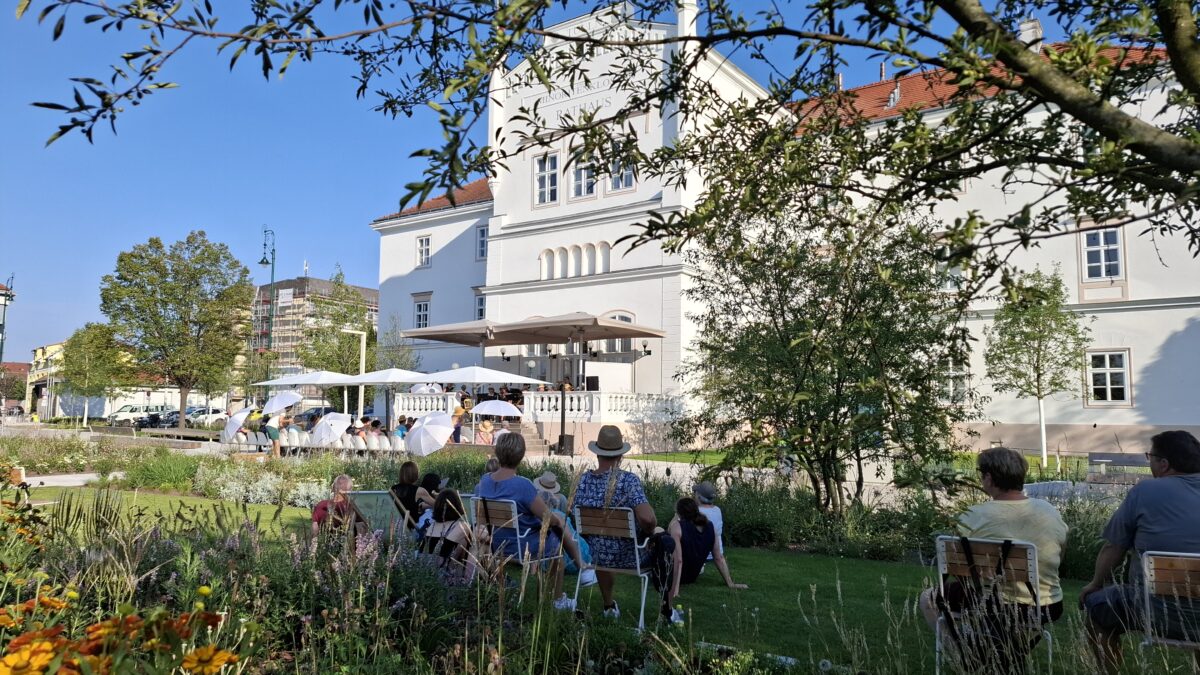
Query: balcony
{"points": [[581, 406]]}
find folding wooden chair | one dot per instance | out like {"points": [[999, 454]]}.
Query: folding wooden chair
{"points": [[987, 563], [620, 523], [503, 514], [1169, 577]]}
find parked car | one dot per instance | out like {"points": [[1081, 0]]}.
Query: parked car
{"points": [[128, 415], [319, 411], [201, 416], [168, 420]]}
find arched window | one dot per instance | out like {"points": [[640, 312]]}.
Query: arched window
{"points": [[561, 260], [603, 255], [575, 264], [589, 259], [546, 261], [619, 345]]}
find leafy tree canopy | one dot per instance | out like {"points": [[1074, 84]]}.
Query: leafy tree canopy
{"points": [[94, 362], [1101, 126], [183, 310], [326, 344]]}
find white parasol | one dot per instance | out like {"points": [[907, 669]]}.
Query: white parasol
{"points": [[330, 428], [497, 408], [429, 434], [281, 401], [233, 424]]}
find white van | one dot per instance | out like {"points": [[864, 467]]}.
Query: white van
{"points": [[128, 414]]}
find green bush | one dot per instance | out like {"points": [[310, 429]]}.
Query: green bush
{"points": [[1085, 520], [166, 470]]}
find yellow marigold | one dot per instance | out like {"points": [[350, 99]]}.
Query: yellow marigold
{"points": [[204, 591], [32, 659], [206, 660]]}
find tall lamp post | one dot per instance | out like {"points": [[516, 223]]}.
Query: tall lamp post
{"points": [[6, 296], [362, 361], [269, 260]]}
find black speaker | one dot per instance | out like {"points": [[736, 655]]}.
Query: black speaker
{"points": [[592, 383], [568, 446]]}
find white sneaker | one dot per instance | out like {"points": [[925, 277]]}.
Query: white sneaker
{"points": [[613, 612], [565, 604], [677, 618], [587, 577]]}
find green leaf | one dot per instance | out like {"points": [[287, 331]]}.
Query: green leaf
{"points": [[59, 25], [50, 106], [22, 5]]}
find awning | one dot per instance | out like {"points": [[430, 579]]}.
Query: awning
{"points": [[575, 326], [470, 333], [385, 377]]}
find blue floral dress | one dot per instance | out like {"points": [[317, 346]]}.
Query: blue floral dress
{"points": [[626, 491]]}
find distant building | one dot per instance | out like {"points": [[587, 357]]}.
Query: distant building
{"points": [[12, 371], [295, 310]]}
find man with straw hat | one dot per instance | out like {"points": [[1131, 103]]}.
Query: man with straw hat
{"points": [[607, 486]]}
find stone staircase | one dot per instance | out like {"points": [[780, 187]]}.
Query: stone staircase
{"points": [[534, 443]]}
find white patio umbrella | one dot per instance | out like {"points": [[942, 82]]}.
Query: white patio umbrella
{"points": [[497, 408], [330, 428], [325, 379], [429, 434], [426, 389], [285, 381], [387, 378], [281, 401], [233, 424], [476, 375]]}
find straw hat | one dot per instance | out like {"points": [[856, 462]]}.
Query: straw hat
{"points": [[609, 442], [548, 482], [486, 426]]}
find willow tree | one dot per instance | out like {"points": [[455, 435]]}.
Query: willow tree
{"points": [[180, 309], [1099, 124]]}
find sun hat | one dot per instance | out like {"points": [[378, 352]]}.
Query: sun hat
{"points": [[486, 426], [609, 442], [358, 424], [706, 492], [548, 482]]}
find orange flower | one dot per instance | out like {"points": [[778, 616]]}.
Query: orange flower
{"points": [[128, 626], [53, 604], [49, 634], [31, 659], [97, 665], [206, 660]]}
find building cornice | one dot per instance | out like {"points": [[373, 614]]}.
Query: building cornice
{"points": [[1183, 302], [417, 220], [589, 280], [570, 221]]}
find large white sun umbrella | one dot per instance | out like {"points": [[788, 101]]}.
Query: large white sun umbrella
{"points": [[233, 424], [389, 378], [496, 408], [281, 401], [476, 375], [285, 381], [429, 434], [330, 428]]}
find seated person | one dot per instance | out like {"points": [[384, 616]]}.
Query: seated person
{"points": [[483, 436], [449, 535], [695, 542], [1009, 515], [1156, 515], [401, 430], [336, 510], [376, 427], [427, 490], [404, 494], [607, 486], [705, 493], [491, 465], [504, 483], [549, 490]]}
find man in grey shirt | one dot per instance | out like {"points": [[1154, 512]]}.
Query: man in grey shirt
{"points": [[1157, 515]]}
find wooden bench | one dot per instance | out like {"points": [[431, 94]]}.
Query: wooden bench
{"points": [[1099, 464]]}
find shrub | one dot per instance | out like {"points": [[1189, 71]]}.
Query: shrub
{"points": [[164, 471], [307, 494], [1085, 519]]}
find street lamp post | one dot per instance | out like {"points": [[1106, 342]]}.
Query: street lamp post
{"points": [[362, 361], [6, 296], [269, 247]]}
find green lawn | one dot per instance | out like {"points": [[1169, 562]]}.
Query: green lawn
{"points": [[808, 607]]}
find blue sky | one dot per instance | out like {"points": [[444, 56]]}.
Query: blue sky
{"points": [[227, 152]]}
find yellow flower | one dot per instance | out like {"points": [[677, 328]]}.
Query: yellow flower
{"points": [[204, 591], [32, 659], [72, 595], [206, 660]]}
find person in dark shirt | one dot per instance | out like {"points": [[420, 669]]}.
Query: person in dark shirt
{"points": [[695, 539], [404, 493]]}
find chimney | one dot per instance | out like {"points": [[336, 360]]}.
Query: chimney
{"points": [[882, 71], [894, 96], [839, 82], [687, 14], [1029, 32]]}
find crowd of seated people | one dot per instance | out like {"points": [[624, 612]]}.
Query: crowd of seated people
{"points": [[1155, 515]]}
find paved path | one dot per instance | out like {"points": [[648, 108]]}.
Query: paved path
{"points": [[68, 479]]}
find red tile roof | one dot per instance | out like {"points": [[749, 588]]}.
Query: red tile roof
{"points": [[471, 193], [3, 288], [932, 89], [15, 368]]}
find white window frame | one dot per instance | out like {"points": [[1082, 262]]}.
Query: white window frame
{"points": [[1103, 250], [621, 178], [545, 167], [615, 345], [424, 250], [957, 386], [1104, 374], [481, 242], [421, 312], [583, 180], [480, 306]]}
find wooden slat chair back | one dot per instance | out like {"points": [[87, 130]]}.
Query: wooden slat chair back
{"points": [[984, 563], [503, 513], [1169, 576], [620, 523]]}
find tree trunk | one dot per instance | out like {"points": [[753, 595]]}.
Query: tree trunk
{"points": [[183, 399], [85, 411], [1042, 429]]}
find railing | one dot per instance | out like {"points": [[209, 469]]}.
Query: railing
{"points": [[415, 405], [599, 406]]}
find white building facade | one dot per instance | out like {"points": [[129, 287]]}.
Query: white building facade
{"points": [[540, 240]]}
